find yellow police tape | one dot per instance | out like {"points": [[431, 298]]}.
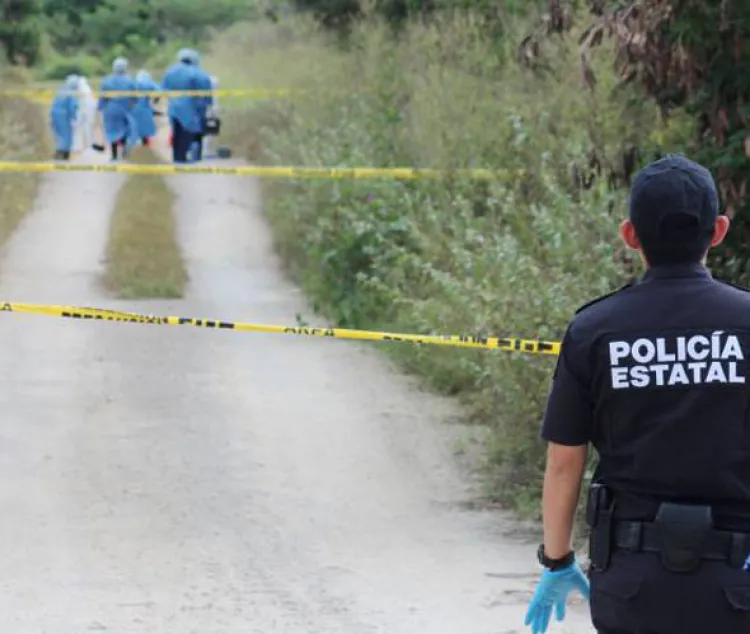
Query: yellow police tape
{"points": [[48, 93], [331, 173], [509, 344]]}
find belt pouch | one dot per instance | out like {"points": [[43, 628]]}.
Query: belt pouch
{"points": [[682, 531], [599, 514]]}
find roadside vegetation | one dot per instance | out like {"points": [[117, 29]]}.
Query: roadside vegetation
{"points": [[491, 88], [144, 260], [510, 256], [575, 96], [23, 137], [59, 37]]}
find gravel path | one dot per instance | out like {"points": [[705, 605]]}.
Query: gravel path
{"points": [[167, 480]]}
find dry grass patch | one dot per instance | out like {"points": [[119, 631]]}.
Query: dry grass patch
{"points": [[23, 137], [143, 256]]}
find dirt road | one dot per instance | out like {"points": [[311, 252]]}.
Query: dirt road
{"points": [[157, 480]]}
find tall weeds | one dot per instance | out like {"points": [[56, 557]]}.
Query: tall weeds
{"points": [[23, 136], [515, 256]]}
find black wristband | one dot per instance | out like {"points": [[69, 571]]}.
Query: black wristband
{"points": [[555, 564]]}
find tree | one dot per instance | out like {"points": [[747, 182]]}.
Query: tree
{"points": [[690, 58], [694, 56], [339, 13], [19, 30], [64, 21], [113, 24], [71, 10], [135, 26], [191, 18]]}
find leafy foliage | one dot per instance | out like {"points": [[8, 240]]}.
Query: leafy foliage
{"points": [[23, 137], [339, 13], [103, 29], [59, 66], [691, 60], [19, 32], [515, 256]]}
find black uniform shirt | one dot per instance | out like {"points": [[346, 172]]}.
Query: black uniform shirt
{"points": [[656, 377]]}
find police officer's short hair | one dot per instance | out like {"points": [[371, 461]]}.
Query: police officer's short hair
{"points": [[673, 207]]}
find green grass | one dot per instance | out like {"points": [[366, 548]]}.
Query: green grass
{"points": [[143, 256], [24, 136], [444, 257]]}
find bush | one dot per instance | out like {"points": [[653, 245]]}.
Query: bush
{"points": [[58, 68], [515, 256], [340, 13], [19, 31], [23, 137], [137, 30], [691, 61]]}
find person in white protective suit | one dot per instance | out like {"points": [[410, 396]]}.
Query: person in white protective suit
{"points": [[84, 125]]}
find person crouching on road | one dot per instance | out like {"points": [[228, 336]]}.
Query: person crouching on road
{"points": [[119, 125], [143, 113], [62, 117], [184, 112]]}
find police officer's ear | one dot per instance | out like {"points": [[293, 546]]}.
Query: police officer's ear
{"points": [[628, 235], [720, 230]]}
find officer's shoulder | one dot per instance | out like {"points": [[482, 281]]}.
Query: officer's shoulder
{"points": [[731, 286], [603, 300], [593, 315], [733, 295]]}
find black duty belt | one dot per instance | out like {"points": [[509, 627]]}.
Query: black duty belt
{"points": [[719, 545]]}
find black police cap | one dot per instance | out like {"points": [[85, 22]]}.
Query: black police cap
{"points": [[673, 198]]}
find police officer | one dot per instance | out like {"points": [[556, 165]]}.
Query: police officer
{"points": [[655, 376]]}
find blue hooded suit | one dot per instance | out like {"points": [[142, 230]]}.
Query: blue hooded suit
{"points": [[63, 114], [184, 112], [119, 124], [143, 113], [183, 76]]}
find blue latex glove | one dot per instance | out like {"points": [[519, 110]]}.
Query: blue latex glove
{"points": [[552, 592]]}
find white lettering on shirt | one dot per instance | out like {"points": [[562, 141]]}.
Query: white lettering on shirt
{"points": [[711, 358]]}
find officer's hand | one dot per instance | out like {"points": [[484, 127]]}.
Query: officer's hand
{"points": [[552, 592]]}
